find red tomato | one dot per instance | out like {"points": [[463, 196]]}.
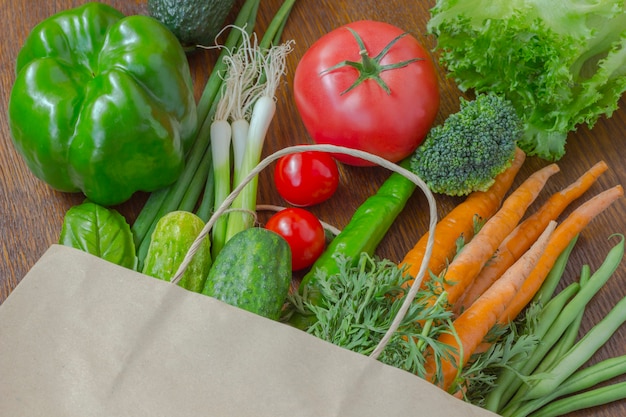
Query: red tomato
{"points": [[303, 232], [307, 178], [390, 124]]}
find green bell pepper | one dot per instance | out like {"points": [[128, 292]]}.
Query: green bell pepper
{"points": [[103, 103]]}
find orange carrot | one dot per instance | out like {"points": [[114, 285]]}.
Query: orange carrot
{"points": [[460, 222], [475, 254], [474, 324], [527, 232], [567, 230]]}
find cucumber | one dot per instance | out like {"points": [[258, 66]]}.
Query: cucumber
{"points": [[252, 272], [172, 237]]}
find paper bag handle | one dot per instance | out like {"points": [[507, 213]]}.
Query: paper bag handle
{"points": [[346, 151]]}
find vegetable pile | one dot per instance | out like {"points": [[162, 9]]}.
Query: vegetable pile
{"points": [[240, 91], [561, 66], [473, 306], [488, 305]]}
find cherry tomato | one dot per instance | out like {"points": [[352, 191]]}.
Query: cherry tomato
{"points": [[303, 232], [389, 112], [307, 178]]}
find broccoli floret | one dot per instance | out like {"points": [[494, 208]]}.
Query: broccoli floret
{"points": [[470, 148]]}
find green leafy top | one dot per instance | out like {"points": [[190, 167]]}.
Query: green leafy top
{"points": [[560, 66], [357, 305]]}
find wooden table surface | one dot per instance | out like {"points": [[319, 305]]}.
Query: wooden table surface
{"points": [[31, 213]]}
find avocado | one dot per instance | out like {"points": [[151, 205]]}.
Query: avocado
{"points": [[193, 22]]}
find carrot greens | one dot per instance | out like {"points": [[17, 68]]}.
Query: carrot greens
{"points": [[355, 306]]}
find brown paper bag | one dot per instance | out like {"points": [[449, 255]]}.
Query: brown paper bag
{"points": [[83, 337]]}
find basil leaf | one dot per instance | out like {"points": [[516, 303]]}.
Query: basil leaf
{"points": [[100, 231]]}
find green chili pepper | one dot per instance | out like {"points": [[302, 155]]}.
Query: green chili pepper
{"points": [[365, 230], [102, 103]]}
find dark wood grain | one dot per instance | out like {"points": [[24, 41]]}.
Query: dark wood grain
{"points": [[31, 213]]}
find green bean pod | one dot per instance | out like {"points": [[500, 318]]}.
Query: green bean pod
{"points": [[571, 334], [503, 392], [587, 399], [508, 381], [579, 382], [581, 352]]}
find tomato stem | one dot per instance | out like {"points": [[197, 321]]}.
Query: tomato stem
{"points": [[370, 67]]}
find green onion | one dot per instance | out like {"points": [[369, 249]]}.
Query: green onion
{"points": [[220, 147], [168, 199], [198, 177], [248, 140]]}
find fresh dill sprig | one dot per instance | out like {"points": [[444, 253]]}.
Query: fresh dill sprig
{"points": [[357, 305]]}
